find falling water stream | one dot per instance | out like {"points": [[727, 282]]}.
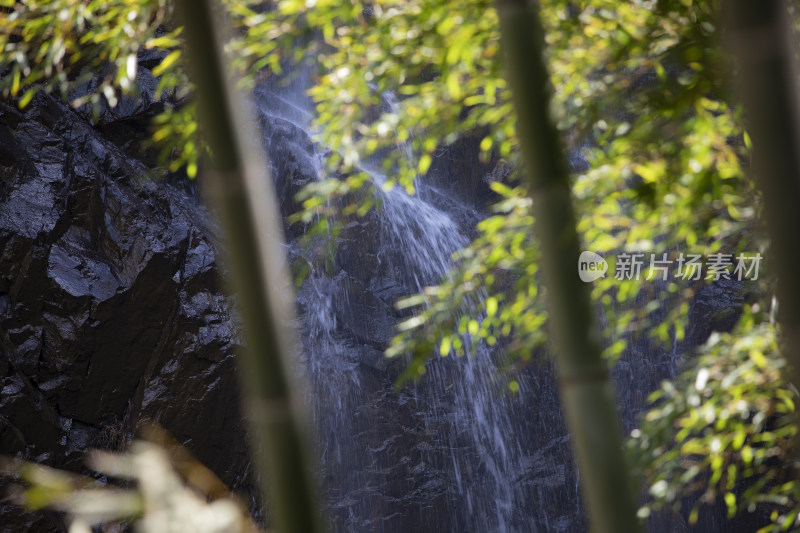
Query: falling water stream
{"points": [[460, 410], [456, 451]]}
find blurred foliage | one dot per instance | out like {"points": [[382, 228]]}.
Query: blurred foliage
{"points": [[87, 53], [641, 98], [723, 431], [163, 490], [63, 44], [634, 90]]}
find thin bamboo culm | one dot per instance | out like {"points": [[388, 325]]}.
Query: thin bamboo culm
{"points": [[586, 392], [236, 182]]}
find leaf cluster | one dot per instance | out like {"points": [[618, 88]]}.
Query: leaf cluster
{"points": [[723, 431], [659, 158]]}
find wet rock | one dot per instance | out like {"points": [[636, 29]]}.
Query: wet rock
{"points": [[111, 313], [364, 315], [457, 171], [358, 248], [715, 307]]}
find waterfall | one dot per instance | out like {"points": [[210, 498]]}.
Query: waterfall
{"points": [[451, 453]]}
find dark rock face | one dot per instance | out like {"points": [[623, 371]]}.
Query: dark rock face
{"points": [[111, 312]]}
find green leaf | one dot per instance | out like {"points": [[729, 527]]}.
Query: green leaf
{"points": [[166, 63], [444, 347], [491, 306], [26, 98], [424, 163]]}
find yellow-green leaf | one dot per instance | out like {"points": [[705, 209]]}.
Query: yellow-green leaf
{"points": [[166, 63]]}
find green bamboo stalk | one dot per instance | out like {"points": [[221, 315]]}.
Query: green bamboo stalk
{"points": [[586, 392], [237, 183], [764, 46]]}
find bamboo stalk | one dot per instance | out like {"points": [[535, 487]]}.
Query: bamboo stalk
{"points": [[764, 46], [237, 183], [586, 392]]}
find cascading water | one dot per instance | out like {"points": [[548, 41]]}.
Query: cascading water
{"points": [[449, 454], [426, 237], [452, 452]]}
